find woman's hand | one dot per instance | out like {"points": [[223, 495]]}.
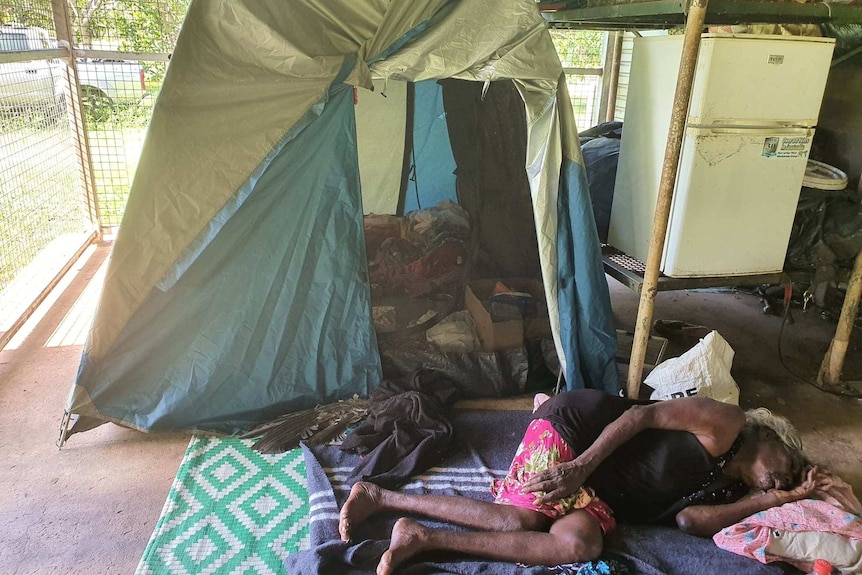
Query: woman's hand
{"points": [[831, 486], [559, 481], [803, 491]]}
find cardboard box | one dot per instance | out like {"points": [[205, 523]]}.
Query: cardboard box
{"points": [[506, 334]]}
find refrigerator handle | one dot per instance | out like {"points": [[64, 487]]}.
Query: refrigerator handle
{"points": [[760, 130]]}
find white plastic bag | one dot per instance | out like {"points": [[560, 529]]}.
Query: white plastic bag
{"points": [[455, 333], [703, 370]]}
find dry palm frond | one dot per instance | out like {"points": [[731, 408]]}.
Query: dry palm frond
{"points": [[314, 426]]}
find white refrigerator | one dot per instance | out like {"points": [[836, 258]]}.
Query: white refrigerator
{"points": [[754, 104]]}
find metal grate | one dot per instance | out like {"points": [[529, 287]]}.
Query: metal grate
{"points": [[627, 262]]}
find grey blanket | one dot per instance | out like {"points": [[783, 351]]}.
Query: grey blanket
{"points": [[484, 444]]}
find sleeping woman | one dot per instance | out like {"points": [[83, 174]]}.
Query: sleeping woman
{"points": [[589, 459]]}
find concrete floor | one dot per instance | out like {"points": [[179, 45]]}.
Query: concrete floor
{"points": [[90, 508]]}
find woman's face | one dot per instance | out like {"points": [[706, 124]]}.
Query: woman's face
{"points": [[775, 467]]}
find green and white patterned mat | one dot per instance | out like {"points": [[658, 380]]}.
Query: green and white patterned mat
{"points": [[231, 511]]}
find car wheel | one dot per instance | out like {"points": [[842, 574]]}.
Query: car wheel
{"points": [[97, 105]]}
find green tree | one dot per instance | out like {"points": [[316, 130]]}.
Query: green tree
{"points": [[90, 20], [579, 48], [30, 13], [149, 26], [136, 25]]}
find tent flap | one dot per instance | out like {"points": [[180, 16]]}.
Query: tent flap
{"points": [[272, 316], [587, 331]]}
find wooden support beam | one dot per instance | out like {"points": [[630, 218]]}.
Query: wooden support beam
{"points": [[682, 96], [117, 55], [75, 112], [833, 362], [613, 79]]}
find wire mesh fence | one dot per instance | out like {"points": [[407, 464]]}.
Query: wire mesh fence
{"points": [[40, 194], [117, 103], [581, 53], [124, 46], [50, 166], [585, 93], [41, 200]]}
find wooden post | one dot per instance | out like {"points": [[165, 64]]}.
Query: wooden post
{"points": [[833, 362], [614, 76], [75, 113], [691, 46]]}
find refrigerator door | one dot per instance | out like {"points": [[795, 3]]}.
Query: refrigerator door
{"points": [[735, 201], [750, 80]]}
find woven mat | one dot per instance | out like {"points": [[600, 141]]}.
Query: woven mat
{"points": [[230, 510]]}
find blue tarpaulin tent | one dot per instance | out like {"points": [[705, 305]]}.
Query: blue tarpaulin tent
{"points": [[236, 289]]}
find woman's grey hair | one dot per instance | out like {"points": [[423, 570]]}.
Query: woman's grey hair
{"points": [[763, 418]]}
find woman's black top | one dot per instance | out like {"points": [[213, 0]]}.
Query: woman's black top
{"points": [[649, 478]]}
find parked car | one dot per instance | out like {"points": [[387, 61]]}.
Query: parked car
{"points": [[38, 83], [30, 84]]}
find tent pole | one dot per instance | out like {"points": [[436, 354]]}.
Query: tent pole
{"points": [[691, 46], [833, 362], [407, 165]]}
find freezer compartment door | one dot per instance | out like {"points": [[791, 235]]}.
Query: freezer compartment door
{"points": [[759, 81], [735, 201]]}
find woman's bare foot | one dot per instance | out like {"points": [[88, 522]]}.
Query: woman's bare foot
{"points": [[408, 539], [365, 499]]}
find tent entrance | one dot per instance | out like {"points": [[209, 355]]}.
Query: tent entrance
{"points": [[462, 220]]}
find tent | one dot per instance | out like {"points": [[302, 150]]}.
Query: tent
{"points": [[237, 289]]}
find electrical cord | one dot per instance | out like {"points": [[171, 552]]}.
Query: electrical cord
{"points": [[845, 391]]}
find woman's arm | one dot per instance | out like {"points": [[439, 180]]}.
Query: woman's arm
{"points": [[707, 520], [715, 424]]}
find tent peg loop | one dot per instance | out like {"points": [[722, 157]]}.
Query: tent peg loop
{"points": [[64, 429]]}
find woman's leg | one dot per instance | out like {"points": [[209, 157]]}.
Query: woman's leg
{"points": [[367, 499], [577, 537]]}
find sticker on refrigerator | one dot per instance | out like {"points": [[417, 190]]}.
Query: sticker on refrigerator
{"points": [[786, 147], [770, 147]]}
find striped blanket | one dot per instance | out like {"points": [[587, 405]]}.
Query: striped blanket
{"points": [[485, 442]]}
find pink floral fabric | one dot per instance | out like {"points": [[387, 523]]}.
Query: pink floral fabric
{"points": [[541, 449], [751, 536]]}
